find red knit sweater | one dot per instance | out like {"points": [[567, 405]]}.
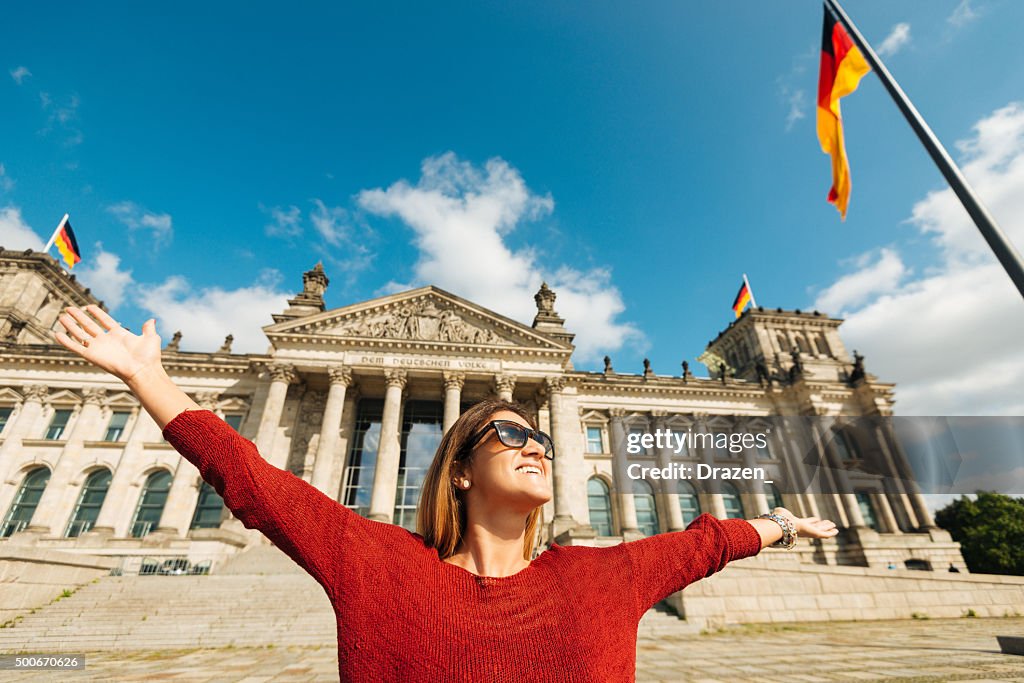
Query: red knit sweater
{"points": [[403, 614]]}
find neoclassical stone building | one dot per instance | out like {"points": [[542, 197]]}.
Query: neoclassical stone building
{"points": [[355, 400]]}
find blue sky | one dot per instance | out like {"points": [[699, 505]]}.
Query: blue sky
{"points": [[640, 160]]}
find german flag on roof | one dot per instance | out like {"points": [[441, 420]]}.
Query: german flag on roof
{"points": [[842, 67], [66, 243]]}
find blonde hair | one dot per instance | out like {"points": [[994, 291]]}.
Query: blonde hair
{"points": [[441, 517]]}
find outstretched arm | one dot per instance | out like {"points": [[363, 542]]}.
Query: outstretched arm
{"points": [[306, 524], [133, 359], [666, 563]]}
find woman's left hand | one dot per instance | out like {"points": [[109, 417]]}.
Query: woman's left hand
{"points": [[809, 527]]}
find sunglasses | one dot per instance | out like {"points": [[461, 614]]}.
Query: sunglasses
{"points": [[515, 435]]}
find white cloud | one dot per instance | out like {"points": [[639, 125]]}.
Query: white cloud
{"points": [[347, 242], [873, 276], [62, 116], [205, 317], [20, 74], [15, 233], [789, 90], [284, 222], [950, 338], [796, 108], [461, 215], [963, 14], [6, 182], [898, 37], [135, 218], [102, 274]]}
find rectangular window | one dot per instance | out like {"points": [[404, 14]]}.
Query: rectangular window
{"points": [[234, 420], [594, 444], [5, 415], [362, 457], [57, 425], [115, 429], [421, 435]]}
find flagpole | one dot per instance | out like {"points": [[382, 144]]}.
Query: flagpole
{"points": [[753, 303], [53, 237], [1001, 246]]}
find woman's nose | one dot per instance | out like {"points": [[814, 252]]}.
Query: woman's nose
{"points": [[533, 447]]}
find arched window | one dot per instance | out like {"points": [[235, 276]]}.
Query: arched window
{"points": [[801, 344], [600, 506], [646, 513], [208, 509], [689, 504], [867, 509], [771, 493], [731, 501], [151, 503], [89, 503], [783, 342], [24, 505]]}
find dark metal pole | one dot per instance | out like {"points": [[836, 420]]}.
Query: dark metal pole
{"points": [[1001, 246]]}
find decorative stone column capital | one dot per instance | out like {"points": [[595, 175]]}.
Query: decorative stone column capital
{"points": [[282, 372], [396, 377], [94, 397], [454, 380], [37, 393], [555, 383], [659, 418], [208, 400], [505, 382], [617, 414], [340, 374]]}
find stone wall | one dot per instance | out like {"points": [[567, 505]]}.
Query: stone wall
{"points": [[33, 577], [749, 591]]}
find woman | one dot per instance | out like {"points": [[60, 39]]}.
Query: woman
{"points": [[462, 599]]}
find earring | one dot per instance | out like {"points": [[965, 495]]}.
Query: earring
{"points": [[465, 483]]}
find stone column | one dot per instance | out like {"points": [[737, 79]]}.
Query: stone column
{"points": [[55, 504], [623, 484], [348, 430], [183, 495], [888, 519], [20, 427], [841, 480], [330, 428], [717, 505], [385, 477], [669, 487], [453, 383], [282, 374], [504, 385], [562, 464], [109, 518], [757, 496], [905, 478]]}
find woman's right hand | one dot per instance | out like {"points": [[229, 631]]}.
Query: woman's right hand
{"points": [[107, 345]]}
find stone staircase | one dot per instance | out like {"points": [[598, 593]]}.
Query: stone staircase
{"points": [[259, 586]]}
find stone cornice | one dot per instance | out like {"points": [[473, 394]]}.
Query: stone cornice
{"points": [[597, 383], [182, 361]]}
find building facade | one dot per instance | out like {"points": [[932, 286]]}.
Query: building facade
{"points": [[355, 400]]}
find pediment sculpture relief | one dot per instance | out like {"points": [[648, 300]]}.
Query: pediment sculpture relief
{"points": [[421, 320]]}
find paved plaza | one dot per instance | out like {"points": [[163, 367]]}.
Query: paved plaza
{"points": [[909, 651]]}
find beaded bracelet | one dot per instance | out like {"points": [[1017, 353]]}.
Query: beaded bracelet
{"points": [[788, 540]]}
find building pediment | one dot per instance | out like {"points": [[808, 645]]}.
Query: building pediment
{"points": [[426, 318]]}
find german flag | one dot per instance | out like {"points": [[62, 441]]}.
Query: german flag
{"points": [[842, 67], [66, 243], [743, 298]]}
